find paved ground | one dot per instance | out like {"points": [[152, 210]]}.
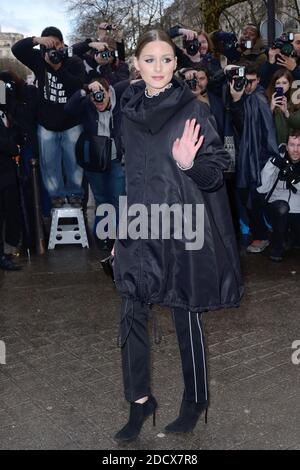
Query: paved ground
{"points": [[61, 387]]}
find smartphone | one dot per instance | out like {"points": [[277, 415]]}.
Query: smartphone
{"points": [[278, 92]]}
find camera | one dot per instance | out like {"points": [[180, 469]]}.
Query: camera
{"points": [[245, 44], [192, 83], [226, 41], [106, 54], [284, 44], [238, 77], [7, 94], [98, 96], [288, 171], [56, 56], [191, 46]]}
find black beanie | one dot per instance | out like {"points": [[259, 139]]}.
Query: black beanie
{"points": [[52, 31]]}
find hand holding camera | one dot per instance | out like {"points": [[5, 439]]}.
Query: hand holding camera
{"points": [[96, 91], [188, 33], [287, 172], [98, 46], [47, 42]]}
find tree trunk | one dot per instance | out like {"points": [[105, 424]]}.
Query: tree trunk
{"points": [[211, 11]]}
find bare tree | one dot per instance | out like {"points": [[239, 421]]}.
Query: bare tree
{"points": [[132, 16]]}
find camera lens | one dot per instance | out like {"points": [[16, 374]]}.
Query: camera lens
{"points": [[55, 56], [98, 96]]}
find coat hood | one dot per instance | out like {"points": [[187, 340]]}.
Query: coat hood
{"points": [[133, 105]]}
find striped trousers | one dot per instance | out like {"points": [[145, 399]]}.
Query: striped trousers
{"points": [[136, 352]]}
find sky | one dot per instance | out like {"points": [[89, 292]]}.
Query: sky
{"points": [[30, 17]]}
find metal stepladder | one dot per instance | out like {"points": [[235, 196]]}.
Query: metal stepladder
{"points": [[62, 234]]}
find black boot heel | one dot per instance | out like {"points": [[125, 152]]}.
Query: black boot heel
{"points": [[139, 412], [205, 417], [154, 418], [188, 417]]}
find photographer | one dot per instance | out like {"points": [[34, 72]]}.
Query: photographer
{"points": [[280, 179], [98, 107], [197, 78], [104, 57], [59, 76], [255, 143], [285, 53], [10, 215], [248, 48], [197, 49]]}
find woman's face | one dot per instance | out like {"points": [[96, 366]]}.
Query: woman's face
{"points": [[284, 83], [203, 44], [156, 65]]}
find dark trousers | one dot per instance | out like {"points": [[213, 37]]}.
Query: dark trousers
{"points": [[136, 352], [250, 203], [278, 213], [10, 214]]}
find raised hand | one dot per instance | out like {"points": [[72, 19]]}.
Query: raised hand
{"points": [[185, 148]]}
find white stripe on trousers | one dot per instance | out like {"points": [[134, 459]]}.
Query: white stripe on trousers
{"points": [[203, 355], [193, 356]]}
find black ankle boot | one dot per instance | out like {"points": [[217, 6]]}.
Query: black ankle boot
{"points": [[138, 415], [188, 416]]}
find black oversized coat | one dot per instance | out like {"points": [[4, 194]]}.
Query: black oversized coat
{"points": [[162, 271]]}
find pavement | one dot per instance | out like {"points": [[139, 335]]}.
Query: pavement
{"points": [[61, 386]]}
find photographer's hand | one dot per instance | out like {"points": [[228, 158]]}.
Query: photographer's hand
{"points": [[48, 42], [272, 55], [276, 101], [236, 95], [190, 74], [185, 148], [188, 33], [94, 87], [287, 62], [99, 46]]}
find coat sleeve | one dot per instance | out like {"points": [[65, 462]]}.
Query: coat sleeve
{"points": [[212, 160], [24, 51], [75, 105], [269, 174]]}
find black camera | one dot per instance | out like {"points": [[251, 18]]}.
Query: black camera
{"points": [[288, 171], [245, 44], [192, 83], [237, 76], [226, 40], [57, 56], [191, 46], [284, 44], [106, 54], [98, 96]]}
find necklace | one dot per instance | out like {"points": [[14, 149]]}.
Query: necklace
{"points": [[158, 92]]}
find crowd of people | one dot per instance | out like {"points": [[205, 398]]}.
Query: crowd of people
{"points": [[73, 113]]}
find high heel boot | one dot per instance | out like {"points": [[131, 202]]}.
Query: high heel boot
{"points": [[139, 412], [188, 416]]}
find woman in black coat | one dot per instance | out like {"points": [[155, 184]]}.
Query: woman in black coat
{"points": [[167, 162]]}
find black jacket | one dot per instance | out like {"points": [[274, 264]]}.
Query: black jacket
{"points": [[55, 87], [8, 149], [81, 106], [163, 271], [256, 137], [113, 73]]}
